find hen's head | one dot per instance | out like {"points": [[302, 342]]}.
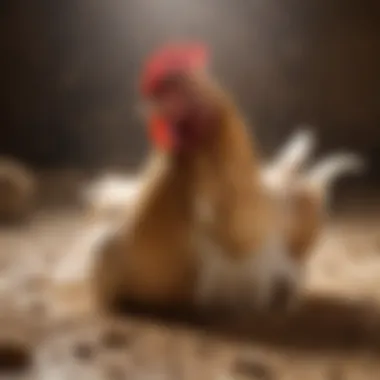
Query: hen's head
{"points": [[171, 82]]}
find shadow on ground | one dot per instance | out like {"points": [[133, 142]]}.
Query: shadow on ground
{"points": [[319, 324]]}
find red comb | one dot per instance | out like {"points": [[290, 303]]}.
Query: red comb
{"points": [[172, 59], [159, 133]]}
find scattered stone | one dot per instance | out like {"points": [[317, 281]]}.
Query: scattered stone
{"points": [[36, 283], [335, 373], [115, 339], [205, 347], [84, 351], [38, 309], [115, 372], [14, 357], [253, 369]]}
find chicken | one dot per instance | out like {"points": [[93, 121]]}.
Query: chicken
{"points": [[231, 212], [208, 227], [301, 195], [153, 256], [244, 238]]}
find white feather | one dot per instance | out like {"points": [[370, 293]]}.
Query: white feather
{"points": [[328, 170], [290, 159]]}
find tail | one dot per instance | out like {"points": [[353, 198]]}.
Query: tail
{"points": [[296, 151], [324, 174], [311, 198], [290, 159]]}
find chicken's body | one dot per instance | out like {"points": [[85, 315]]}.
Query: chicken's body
{"points": [[150, 259], [234, 221], [226, 175], [300, 196], [154, 258]]}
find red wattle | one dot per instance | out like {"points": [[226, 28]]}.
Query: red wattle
{"points": [[159, 134]]}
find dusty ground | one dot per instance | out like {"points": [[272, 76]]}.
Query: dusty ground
{"points": [[335, 334]]}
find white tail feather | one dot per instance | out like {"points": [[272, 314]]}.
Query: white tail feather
{"points": [[296, 151], [328, 170], [290, 159]]}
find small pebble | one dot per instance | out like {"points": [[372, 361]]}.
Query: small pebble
{"points": [[114, 339], [84, 351], [115, 373], [14, 357], [335, 373], [38, 309], [253, 369]]}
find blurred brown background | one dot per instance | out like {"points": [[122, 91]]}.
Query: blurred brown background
{"points": [[69, 69]]}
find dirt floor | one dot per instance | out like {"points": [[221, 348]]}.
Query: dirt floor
{"points": [[334, 335]]}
